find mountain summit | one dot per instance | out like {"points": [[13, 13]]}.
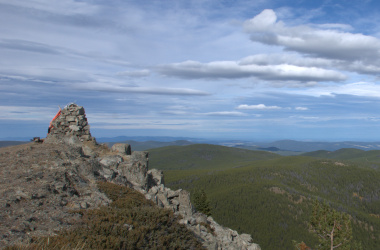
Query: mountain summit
{"points": [[45, 187]]}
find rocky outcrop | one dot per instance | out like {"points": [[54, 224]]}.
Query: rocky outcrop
{"points": [[212, 235], [42, 183]]}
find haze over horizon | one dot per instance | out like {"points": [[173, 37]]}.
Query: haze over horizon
{"points": [[254, 70]]}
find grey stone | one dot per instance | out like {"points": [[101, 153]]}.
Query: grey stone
{"points": [[185, 207], [135, 170], [155, 178], [88, 151], [122, 148], [70, 127], [111, 161]]}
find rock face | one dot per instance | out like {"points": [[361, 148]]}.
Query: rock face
{"points": [[41, 183]]}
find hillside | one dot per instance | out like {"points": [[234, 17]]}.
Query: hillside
{"points": [[368, 158], [204, 156], [271, 198], [147, 145], [68, 192], [308, 146], [11, 143]]}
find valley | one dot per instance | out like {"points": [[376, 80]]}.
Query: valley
{"points": [[270, 196]]}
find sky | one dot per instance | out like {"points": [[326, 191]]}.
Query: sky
{"points": [[255, 70]]}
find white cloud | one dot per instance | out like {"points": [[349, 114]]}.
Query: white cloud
{"points": [[247, 68], [262, 22], [363, 89], [327, 43], [257, 107], [286, 58], [113, 88], [225, 113], [339, 26], [301, 108]]}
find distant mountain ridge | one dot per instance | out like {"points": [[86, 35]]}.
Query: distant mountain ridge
{"points": [[280, 145], [314, 146], [289, 146], [145, 145]]}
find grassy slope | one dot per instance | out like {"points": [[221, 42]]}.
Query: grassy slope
{"points": [[271, 198]]}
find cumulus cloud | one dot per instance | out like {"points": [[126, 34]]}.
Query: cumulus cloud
{"points": [[286, 58], [327, 43], [257, 107], [248, 68]]}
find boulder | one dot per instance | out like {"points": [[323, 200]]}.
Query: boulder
{"points": [[111, 161], [155, 178], [135, 169], [121, 148], [185, 207]]}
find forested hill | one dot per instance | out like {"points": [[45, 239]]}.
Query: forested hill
{"points": [[271, 196], [204, 156], [351, 154]]}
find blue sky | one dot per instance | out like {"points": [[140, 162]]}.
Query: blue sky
{"points": [[255, 70]]}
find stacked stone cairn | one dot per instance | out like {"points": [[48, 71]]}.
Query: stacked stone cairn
{"points": [[70, 127]]}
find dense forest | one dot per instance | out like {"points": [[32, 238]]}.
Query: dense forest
{"points": [[271, 196]]}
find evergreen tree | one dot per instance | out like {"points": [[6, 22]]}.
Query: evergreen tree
{"points": [[201, 202], [332, 227]]}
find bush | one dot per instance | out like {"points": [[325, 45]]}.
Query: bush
{"points": [[130, 222]]}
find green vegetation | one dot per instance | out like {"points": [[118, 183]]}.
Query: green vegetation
{"points": [[148, 145], [201, 202], [204, 156], [130, 222], [332, 227], [271, 197], [369, 158]]}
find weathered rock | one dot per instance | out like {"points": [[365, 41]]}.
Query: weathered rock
{"points": [[122, 148], [111, 161], [155, 178], [88, 151], [135, 170], [185, 207]]}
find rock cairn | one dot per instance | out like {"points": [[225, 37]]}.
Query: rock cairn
{"points": [[71, 126]]}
